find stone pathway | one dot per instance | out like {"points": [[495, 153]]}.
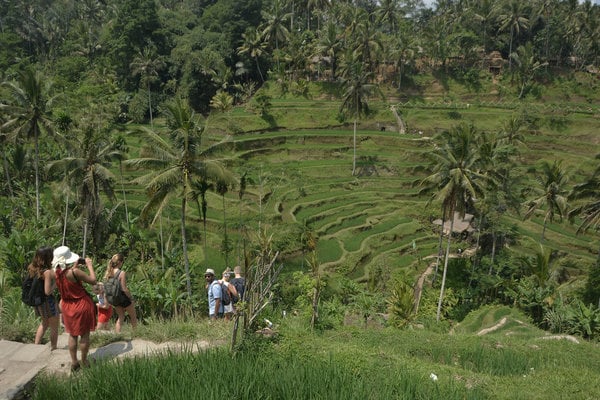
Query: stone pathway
{"points": [[20, 362]]}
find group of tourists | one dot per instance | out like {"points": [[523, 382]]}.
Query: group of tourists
{"points": [[63, 269], [224, 294], [80, 314]]}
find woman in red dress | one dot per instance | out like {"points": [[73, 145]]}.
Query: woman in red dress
{"points": [[78, 309]]}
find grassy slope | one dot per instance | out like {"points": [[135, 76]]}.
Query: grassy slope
{"points": [[513, 360]]}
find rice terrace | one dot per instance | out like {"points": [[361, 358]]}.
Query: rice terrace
{"points": [[413, 200]]}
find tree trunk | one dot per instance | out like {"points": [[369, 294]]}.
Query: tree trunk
{"points": [[186, 260], [66, 215], [439, 307], [226, 247], [123, 191], [354, 154], [493, 252], [37, 175], [85, 231], [399, 121], [7, 174], [439, 252], [543, 231], [162, 244], [150, 105], [315, 308]]}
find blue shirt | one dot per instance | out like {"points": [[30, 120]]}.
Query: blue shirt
{"points": [[214, 293]]}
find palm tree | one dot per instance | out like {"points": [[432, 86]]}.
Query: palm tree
{"points": [[551, 193], [527, 66], [147, 65], [367, 43], [244, 181], [589, 209], [389, 13], [30, 115], [317, 6], [221, 101], [513, 18], [222, 189], [484, 13], [357, 87], [254, 46], [90, 172], [178, 164], [199, 191], [5, 166], [455, 181], [512, 131], [329, 44], [274, 30]]}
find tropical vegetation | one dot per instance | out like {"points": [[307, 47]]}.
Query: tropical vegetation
{"points": [[344, 153]]}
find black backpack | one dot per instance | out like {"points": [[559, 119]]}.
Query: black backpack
{"points": [[239, 284], [225, 295], [112, 291], [32, 291]]}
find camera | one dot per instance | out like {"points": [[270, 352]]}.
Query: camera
{"points": [[81, 261]]}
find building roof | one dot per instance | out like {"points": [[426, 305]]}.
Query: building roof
{"points": [[461, 224]]}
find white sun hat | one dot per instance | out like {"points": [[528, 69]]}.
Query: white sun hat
{"points": [[64, 254]]}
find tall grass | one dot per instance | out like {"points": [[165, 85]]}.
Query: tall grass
{"points": [[214, 374]]}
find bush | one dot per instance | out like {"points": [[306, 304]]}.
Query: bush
{"points": [[17, 321]]}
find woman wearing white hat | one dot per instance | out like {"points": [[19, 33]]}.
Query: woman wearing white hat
{"points": [[79, 311]]}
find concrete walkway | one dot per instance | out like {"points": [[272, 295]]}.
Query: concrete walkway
{"points": [[20, 362]]}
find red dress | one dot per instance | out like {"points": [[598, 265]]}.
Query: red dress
{"points": [[79, 311]]}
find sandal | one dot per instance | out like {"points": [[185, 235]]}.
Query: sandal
{"points": [[75, 367]]}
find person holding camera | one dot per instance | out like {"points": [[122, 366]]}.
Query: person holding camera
{"points": [[115, 268], [78, 309]]}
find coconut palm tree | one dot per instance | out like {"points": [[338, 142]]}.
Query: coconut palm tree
{"points": [[551, 193], [589, 209], [177, 164], [527, 66], [199, 191], [254, 46], [29, 114], [329, 44], [357, 88], [512, 17], [222, 188], [274, 29], [455, 181], [146, 64], [89, 171], [5, 167], [389, 15]]}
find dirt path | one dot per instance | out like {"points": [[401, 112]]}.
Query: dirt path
{"points": [[59, 360]]}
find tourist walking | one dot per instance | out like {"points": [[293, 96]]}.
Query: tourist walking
{"points": [[226, 285], [239, 282], [48, 310], [115, 269], [215, 307], [78, 309]]}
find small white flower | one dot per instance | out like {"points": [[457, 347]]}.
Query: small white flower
{"points": [[433, 377]]}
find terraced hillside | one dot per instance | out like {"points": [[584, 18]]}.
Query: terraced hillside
{"points": [[298, 160]]}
